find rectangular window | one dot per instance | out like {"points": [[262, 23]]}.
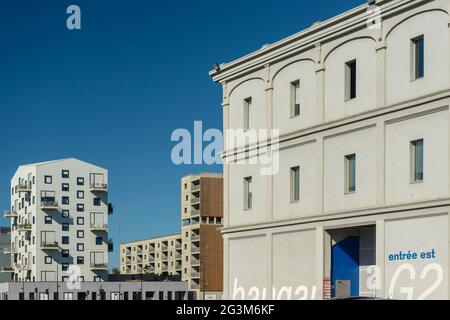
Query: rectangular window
{"points": [[97, 202], [48, 179], [295, 98], [65, 253], [65, 240], [350, 80], [48, 220], [247, 113], [65, 226], [65, 213], [417, 160], [65, 200], [65, 266], [295, 184], [350, 173], [65, 174], [80, 246], [80, 207], [80, 181], [65, 187], [98, 241], [80, 234], [417, 57], [248, 193], [80, 194], [48, 260], [80, 221], [80, 260]]}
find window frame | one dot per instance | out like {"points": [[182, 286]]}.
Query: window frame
{"points": [[294, 94], [351, 70], [350, 173], [416, 176]]}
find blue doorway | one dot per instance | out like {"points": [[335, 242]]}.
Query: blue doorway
{"points": [[345, 264]]}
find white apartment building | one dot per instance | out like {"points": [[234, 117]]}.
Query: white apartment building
{"points": [[360, 203], [59, 218]]}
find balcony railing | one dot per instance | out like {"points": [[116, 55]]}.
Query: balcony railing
{"points": [[99, 227], [164, 247], [195, 200], [23, 267], [178, 246], [24, 188], [195, 262], [110, 208], [99, 266], [195, 274], [178, 256], [151, 249], [12, 250], [195, 187], [99, 187], [164, 268], [195, 286], [151, 259], [8, 269], [164, 258], [195, 237], [24, 227], [9, 214], [110, 245], [195, 249], [49, 245], [195, 212], [49, 204]]}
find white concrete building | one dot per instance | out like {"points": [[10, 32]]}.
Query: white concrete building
{"points": [[59, 217], [360, 203]]}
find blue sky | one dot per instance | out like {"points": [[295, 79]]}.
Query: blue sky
{"points": [[113, 92]]}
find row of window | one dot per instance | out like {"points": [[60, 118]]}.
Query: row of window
{"points": [[416, 174], [417, 72]]}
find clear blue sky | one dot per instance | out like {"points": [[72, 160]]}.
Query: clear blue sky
{"points": [[113, 92]]}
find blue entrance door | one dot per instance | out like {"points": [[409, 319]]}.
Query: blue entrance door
{"points": [[345, 264]]}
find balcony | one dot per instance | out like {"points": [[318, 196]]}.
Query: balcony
{"points": [[164, 247], [98, 187], [8, 270], [178, 256], [195, 262], [164, 268], [178, 246], [164, 258], [9, 214], [110, 208], [26, 227], [99, 227], [49, 245], [195, 286], [195, 187], [23, 267], [151, 249], [195, 249], [99, 266], [151, 259], [23, 188], [12, 250], [195, 212], [49, 205], [195, 237], [195, 200], [195, 274], [110, 245]]}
